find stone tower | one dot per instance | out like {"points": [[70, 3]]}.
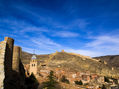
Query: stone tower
{"points": [[33, 65], [16, 58], [8, 54]]}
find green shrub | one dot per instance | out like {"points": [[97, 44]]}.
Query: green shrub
{"points": [[79, 82], [31, 82], [63, 79], [106, 79], [50, 84], [103, 87]]}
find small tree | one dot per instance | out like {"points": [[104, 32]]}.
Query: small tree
{"points": [[31, 82], [103, 86], [106, 79], [50, 84], [33, 78], [79, 82], [63, 79]]}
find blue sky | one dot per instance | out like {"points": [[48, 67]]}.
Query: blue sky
{"points": [[88, 27]]}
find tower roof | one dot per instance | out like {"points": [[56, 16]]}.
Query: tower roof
{"points": [[33, 57]]}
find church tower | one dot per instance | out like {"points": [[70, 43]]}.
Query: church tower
{"points": [[33, 65]]}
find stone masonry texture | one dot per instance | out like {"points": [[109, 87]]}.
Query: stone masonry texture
{"points": [[2, 67]]}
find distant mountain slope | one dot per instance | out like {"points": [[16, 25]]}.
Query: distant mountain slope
{"points": [[27, 56], [81, 63], [112, 60], [74, 62]]}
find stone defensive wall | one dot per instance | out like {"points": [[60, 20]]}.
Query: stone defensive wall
{"points": [[2, 67], [12, 73], [16, 58]]}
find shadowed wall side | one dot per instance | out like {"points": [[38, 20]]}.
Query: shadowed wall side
{"points": [[8, 61], [16, 58], [8, 55]]}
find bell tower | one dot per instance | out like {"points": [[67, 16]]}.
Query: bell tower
{"points": [[33, 65]]}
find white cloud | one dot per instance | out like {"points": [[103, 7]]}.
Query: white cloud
{"points": [[101, 45], [65, 34], [77, 23], [45, 43], [84, 52], [30, 50], [103, 40], [49, 46], [107, 45], [81, 23], [33, 29]]}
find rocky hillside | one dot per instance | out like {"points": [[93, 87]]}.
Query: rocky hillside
{"points": [[27, 56], [112, 60], [74, 62], [81, 63]]}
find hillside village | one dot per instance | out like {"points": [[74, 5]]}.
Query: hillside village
{"points": [[89, 80]]}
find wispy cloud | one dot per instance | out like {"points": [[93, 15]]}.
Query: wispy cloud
{"points": [[103, 41], [106, 44], [65, 34], [33, 29], [30, 50], [98, 47], [85, 52], [43, 42], [48, 45], [51, 19], [20, 27], [81, 23]]}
